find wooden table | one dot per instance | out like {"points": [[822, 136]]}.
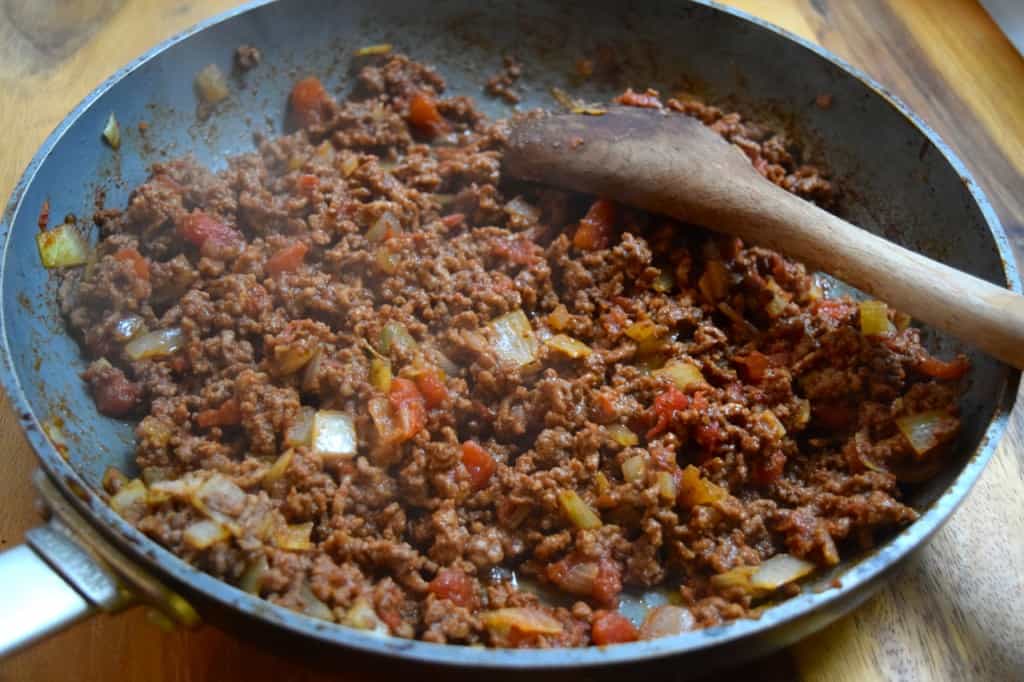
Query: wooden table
{"points": [[957, 612]]}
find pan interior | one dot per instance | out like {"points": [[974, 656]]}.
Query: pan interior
{"points": [[895, 181]]}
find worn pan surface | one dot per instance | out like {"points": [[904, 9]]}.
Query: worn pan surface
{"points": [[898, 180]]}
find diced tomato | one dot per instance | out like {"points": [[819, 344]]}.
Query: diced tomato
{"points": [[646, 100], [228, 414], [139, 263], [709, 435], [755, 365], [604, 403], [307, 100], [307, 183], [408, 406], [116, 396], [665, 405], [947, 371], [424, 116], [478, 463], [453, 219], [287, 259], [611, 627], [769, 469], [453, 585], [596, 227], [608, 583], [432, 388], [199, 228]]}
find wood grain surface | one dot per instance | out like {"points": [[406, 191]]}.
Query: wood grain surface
{"points": [[955, 612]]}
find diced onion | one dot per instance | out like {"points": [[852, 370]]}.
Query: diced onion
{"points": [[394, 335], [927, 430], [684, 375], [384, 228], [772, 574], [62, 247], [220, 495], [634, 469], [577, 510], [361, 616], [132, 495], [112, 132], [520, 208], [294, 537], [874, 318], [642, 331], [370, 50], [780, 570], [772, 423], [694, 490], [380, 374], [524, 619], [559, 318], [203, 534], [387, 260], [666, 486], [211, 85], [114, 479], [666, 620], [664, 282], [714, 283], [128, 327], [334, 435], [602, 484], [579, 579], [252, 580], [301, 431], [312, 606], [733, 578], [279, 468], [155, 344], [514, 341], [780, 299], [568, 346], [623, 435]]}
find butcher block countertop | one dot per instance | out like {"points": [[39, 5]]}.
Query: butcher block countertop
{"points": [[955, 612]]}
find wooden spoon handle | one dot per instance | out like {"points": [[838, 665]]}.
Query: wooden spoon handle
{"points": [[673, 165]]}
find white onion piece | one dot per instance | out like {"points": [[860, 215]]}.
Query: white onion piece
{"points": [[131, 495], [666, 620], [205, 533], [220, 494], [362, 617], [334, 435], [301, 431], [514, 342], [779, 570], [211, 85], [155, 344]]}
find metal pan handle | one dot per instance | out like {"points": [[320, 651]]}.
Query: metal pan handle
{"points": [[66, 571], [47, 585]]}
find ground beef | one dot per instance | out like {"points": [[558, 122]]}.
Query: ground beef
{"points": [[247, 58], [383, 386], [502, 84]]}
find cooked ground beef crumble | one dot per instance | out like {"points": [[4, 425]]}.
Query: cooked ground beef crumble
{"points": [[372, 380]]}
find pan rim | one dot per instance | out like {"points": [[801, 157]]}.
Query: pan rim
{"points": [[164, 564]]}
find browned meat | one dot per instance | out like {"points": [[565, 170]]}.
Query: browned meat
{"points": [[381, 386]]}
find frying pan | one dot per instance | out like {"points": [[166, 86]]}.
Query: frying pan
{"points": [[898, 179]]}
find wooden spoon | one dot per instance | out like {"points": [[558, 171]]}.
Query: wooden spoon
{"points": [[673, 165]]}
